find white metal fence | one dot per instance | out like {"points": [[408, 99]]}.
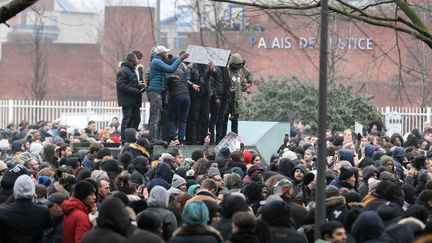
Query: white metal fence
{"points": [[396, 119], [75, 112], [404, 119]]}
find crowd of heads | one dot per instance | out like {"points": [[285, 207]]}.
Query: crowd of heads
{"points": [[378, 189]]}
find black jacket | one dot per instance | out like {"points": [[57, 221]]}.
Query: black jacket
{"points": [[128, 89], [244, 238], [285, 234], [23, 221], [197, 234], [200, 74], [112, 223], [178, 86], [54, 235], [219, 83]]}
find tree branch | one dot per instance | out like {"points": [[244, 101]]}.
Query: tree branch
{"points": [[11, 9]]}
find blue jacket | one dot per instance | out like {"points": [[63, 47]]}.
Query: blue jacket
{"points": [[158, 72]]}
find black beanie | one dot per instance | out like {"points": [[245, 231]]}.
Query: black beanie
{"points": [[83, 189], [11, 175], [345, 174]]}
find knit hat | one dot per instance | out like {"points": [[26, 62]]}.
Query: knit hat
{"points": [[195, 213], [247, 157], [290, 155], [83, 189], [213, 171], [254, 169], [192, 189], [177, 181], [345, 174], [24, 187], [331, 191], [4, 144], [56, 197], [238, 171], [99, 175], [35, 149], [44, 180], [11, 175], [384, 159], [67, 181], [387, 176], [352, 197], [373, 183]]}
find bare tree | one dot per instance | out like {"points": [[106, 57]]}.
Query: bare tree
{"points": [[40, 67], [11, 9]]}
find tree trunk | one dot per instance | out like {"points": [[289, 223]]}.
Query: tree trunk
{"points": [[11, 9]]}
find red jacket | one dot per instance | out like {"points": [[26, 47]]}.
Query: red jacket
{"points": [[76, 221]]}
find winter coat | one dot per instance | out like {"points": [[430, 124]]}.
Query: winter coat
{"points": [[23, 221], [76, 222], [128, 89], [245, 237], [89, 163], [204, 233], [297, 212], [179, 86], [55, 234], [224, 226], [112, 223], [138, 150], [367, 227], [367, 172], [238, 78], [200, 75], [158, 204], [219, 83], [285, 234], [336, 208], [158, 73]]}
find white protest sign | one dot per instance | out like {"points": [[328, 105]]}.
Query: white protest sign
{"points": [[203, 55], [358, 128], [229, 141]]}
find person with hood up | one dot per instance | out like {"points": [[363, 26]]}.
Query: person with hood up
{"points": [[367, 172], [285, 167], [22, 220], [297, 176], [76, 222], [139, 148], [162, 178], [277, 215], [241, 79], [112, 223], [129, 93], [157, 85], [195, 229], [158, 203], [140, 169], [368, 227]]}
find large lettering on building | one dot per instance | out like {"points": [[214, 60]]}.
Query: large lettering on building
{"points": [[286, 42]]}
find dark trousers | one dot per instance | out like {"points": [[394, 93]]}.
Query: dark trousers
{"points": [[178, 108], [198, 123], [131, 118], [217, 116]]}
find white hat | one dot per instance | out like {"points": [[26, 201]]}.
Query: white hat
{"points": [[24, 187], [4, 144], [160, 49]]}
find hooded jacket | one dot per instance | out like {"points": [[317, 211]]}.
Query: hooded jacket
{"points": [[367, 172], [367, 227], [201, 233], [158, 203], [128, 89], [112, 223], [347, 154], [237, 78], [158, 73], [285, 167], [76, 222], [23, 221], [140, 169]]}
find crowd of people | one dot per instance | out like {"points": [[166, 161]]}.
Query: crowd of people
{"points": [[379, 189], [188, 101]]}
